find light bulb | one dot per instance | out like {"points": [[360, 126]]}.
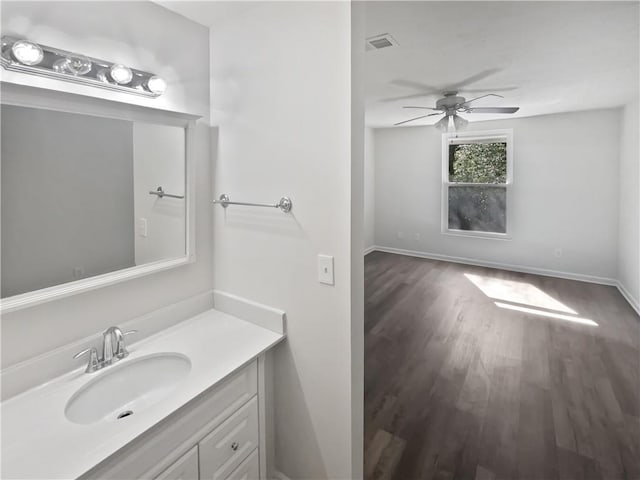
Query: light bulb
{"points": [[103, 75], [121, 74], [157, 85], [78, 65], [73, 65], [27, 53]]}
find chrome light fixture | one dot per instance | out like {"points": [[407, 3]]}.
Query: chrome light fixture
{"points": [[24, 56]]}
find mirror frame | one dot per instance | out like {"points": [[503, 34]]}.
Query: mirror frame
{"points": [[32, 97]]}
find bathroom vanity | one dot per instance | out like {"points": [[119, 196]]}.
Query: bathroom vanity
{"points": [[188, 402]]}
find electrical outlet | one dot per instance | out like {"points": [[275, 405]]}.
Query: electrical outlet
{"points": [[557, 252], [78, 272]]}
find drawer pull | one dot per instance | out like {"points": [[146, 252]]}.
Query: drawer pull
{"points": [[234, 446]]}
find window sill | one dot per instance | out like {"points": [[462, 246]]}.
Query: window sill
{"points": [[470, 233]]}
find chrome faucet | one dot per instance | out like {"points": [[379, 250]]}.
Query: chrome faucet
{"points": [[113, 349]]}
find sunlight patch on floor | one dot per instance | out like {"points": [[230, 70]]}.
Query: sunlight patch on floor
{"points": [[517, 292], [559, 316]]}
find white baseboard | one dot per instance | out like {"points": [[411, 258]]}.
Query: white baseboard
{"points": [[635, 304], [370, 249], [279, 476], [502, 266]]}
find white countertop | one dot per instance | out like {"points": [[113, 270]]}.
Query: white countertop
{"points": [[38, 441]]}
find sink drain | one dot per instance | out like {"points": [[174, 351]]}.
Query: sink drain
{"points": [[126, 413]]}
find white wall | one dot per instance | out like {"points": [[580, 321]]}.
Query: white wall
{"points": [[281, 98], [565, 193], [134, 33], [629, 226], [157, 151], [369, 189], [67, 197]]}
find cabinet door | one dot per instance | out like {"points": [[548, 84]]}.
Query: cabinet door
{"points": [[227, 446], [185, 468], [248, 470]]}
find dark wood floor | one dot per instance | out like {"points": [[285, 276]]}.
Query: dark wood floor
{"points": [[476, 373]]}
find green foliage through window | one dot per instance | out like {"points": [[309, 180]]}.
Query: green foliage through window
{"points": [[478, 163]]}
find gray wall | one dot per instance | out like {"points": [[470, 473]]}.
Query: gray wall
{"points": [[565, 193], [134, 33], [67, 197]]}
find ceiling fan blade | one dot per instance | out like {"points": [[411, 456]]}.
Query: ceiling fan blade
{"points": [[417, 118], [483, 96], [406, 97], [425, 90], [416, 85], [473, 78], [424, 108], [493, 109], [482, 90]]}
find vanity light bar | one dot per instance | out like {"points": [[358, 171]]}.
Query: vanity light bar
{"points": [[21, 55]]}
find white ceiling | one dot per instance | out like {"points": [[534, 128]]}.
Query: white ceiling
{"points": [[543, 56], [548, 57], [209, 13]]}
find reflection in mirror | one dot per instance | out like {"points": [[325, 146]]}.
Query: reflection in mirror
{"points": [[76, 198]]}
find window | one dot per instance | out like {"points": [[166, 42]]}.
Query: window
{"points": [[476, 183]]}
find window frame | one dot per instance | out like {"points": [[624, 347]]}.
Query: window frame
{"points": [[483, 136]]}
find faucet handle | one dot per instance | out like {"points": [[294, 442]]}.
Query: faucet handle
{"points": [[121, 348], [93, 364]]}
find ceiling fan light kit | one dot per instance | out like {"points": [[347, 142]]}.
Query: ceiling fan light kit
{"points": [[452, 104]]}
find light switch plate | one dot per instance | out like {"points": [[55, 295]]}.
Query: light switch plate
{"points": [[143, 227], [325, 269]]}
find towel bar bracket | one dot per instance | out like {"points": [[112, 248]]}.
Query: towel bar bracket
{"points": [[160, 193]]}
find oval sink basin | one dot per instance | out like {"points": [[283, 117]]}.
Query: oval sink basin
{"points": [[120, 391]]}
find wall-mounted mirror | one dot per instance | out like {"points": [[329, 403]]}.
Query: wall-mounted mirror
{"points": [[86, 198]]}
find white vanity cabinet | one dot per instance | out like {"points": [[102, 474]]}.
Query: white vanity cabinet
{"points": [[214, 437]]}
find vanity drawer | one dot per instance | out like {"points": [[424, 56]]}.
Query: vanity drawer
{"points": [[248, 470], [224, 449], [186, 468]]}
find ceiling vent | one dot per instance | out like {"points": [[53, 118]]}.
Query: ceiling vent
{"points": [[381, 41]]}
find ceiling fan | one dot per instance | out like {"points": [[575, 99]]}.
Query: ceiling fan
{"points": [[452, 104]]}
